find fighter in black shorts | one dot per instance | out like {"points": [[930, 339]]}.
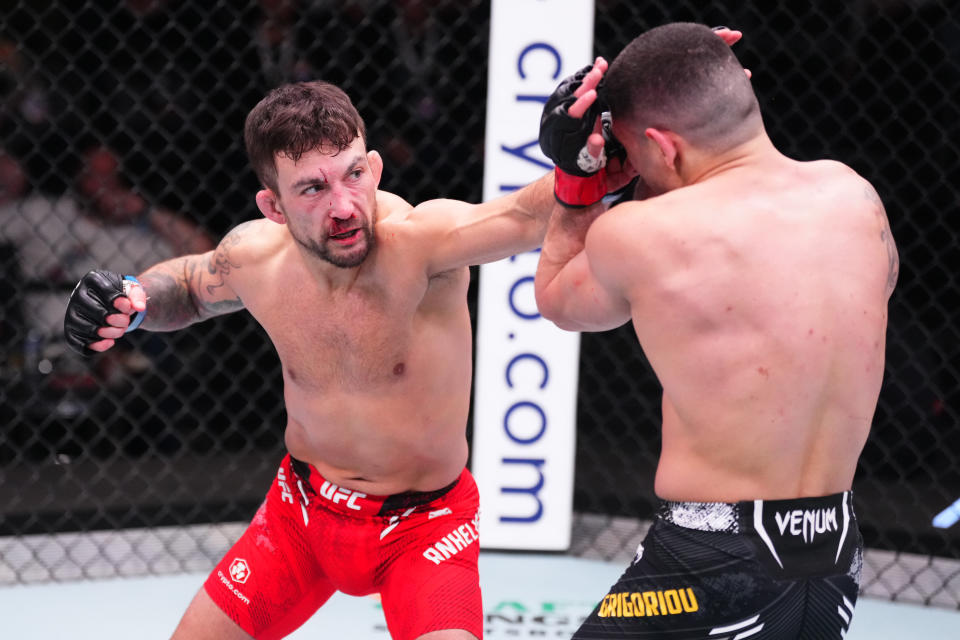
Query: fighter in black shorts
{"points": [[757, 286], [768, 569]]}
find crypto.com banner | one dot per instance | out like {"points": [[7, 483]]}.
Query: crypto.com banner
{"points": [[526, 371]]}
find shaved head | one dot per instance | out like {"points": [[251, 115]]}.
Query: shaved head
{"points": [[681, 77]]}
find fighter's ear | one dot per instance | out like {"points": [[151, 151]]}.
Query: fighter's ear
{"points": [[267, 202], [667, 142], [375, 161]]}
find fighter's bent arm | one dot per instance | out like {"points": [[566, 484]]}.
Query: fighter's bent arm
{"points": [[192, 288], [568, 290]]}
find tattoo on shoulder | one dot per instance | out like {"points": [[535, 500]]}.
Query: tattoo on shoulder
{"points": [[223, 262], [886, 237]]}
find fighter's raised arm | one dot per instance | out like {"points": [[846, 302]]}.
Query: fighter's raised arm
{"points": [[578, 283], [567, 289], [575, 285]]}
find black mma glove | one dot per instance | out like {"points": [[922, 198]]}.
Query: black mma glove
{"points": [[90, 304], [580, 178]]}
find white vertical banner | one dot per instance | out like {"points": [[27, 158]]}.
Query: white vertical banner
{"points": [[525, 384]]}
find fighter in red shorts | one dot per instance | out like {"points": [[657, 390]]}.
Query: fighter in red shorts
{"points": [[311, 537], [364, 298]]}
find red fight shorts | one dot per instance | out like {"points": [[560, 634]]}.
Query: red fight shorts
{"points": [[310, 538]]}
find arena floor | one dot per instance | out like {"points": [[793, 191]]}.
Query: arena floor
{"points": [[525, 596]]}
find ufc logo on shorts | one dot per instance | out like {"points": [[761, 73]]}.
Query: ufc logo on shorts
{"points": [[285, 493], [337, 495]]}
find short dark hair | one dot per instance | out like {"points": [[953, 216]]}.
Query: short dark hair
{"points": [[682, 77], [296, 118]]}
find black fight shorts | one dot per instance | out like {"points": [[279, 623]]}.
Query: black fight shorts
{"points": [[767, 569]]}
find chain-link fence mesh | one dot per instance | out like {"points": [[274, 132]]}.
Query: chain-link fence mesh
{"points": [[121, 145]]}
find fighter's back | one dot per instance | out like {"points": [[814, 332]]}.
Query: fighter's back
{"points": [[760, 297]]}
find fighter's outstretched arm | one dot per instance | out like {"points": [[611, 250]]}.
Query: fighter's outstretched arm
{"points": [[462, 234], [457, 234]]}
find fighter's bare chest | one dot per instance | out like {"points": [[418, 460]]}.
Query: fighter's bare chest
{"points": [[361, 337]]}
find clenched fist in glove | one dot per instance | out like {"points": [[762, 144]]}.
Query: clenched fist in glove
{"points": [[103, 306], [572, 116]]}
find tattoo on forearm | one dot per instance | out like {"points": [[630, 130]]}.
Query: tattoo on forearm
{"points": [[886, 236], [191, 288], [169, 305]]}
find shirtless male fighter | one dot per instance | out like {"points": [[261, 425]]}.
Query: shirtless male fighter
{"points": [[364, 299], [757, 286]]}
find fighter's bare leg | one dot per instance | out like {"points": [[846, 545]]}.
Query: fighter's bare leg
{"points": [[448, 634], [203, 620]]}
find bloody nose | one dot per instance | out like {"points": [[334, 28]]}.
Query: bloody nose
{"points": [[339, 206]]}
